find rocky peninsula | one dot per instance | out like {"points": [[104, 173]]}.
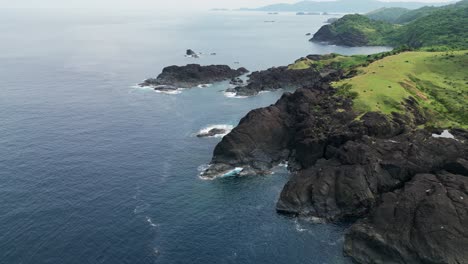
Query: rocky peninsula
{"points": [[404, 189], [192, 75]]}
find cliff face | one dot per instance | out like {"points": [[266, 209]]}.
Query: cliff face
{"points": [[268, 136]]}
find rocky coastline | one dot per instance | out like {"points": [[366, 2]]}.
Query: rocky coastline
{"points": [[383, 173]]}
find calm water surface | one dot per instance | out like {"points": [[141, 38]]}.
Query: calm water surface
{"points": [[93, 170]]}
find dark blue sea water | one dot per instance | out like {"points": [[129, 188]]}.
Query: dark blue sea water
{"points": [[93, 170]]}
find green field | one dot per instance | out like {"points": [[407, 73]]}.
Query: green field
{"points": [[437, 80]]}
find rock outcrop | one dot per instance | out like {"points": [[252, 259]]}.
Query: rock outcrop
{"points": [[192, 75], [191, 53], [285, 78], [350, 180]]}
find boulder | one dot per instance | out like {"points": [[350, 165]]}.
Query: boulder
{"points": [[190, 52]]}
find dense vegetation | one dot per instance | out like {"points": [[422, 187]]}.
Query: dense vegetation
{"points": [[415, 14], [388, 14], [439, 28], [355, 30], [437, 80], [445, 27], [397, 15]]}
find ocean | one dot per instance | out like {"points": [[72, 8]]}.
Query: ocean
{"points": [[96, 170]]}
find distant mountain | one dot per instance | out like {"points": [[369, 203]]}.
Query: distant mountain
{"points": [[342, 6], [388, 14], [397, 15]]}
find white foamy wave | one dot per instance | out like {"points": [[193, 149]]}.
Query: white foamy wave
{"points": [[139, 87], [151, 222], [227, 128], [315, 220], [299, 228], [202, 168], [445, 134], [234, 95], [233, 173], [151, 88], [178, 91], [204, 85]]}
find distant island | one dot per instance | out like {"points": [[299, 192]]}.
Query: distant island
{"points": [[341, 6]]}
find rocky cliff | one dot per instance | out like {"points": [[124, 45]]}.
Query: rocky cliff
{"points": [[406, 188]]}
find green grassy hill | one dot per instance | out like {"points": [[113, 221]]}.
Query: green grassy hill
{"points": [[437, 80]]}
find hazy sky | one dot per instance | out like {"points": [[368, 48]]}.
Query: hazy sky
{"points": [[160, 4]]}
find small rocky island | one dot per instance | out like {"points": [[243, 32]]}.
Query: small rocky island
{"points": [[192, 75]]}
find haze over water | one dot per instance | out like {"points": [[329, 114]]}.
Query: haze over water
{"points": [[94, 170]]}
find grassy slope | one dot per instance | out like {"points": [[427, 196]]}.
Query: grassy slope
{"points": [[335, 60], [438, 81]]}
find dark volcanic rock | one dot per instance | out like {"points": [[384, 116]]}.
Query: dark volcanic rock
{"points": [[350, 180], [192, 75], [213, 132], [408, 188], [236, 81], [424, 222], [191, 53], [281, 78], [165, 88], [271, 135]]}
